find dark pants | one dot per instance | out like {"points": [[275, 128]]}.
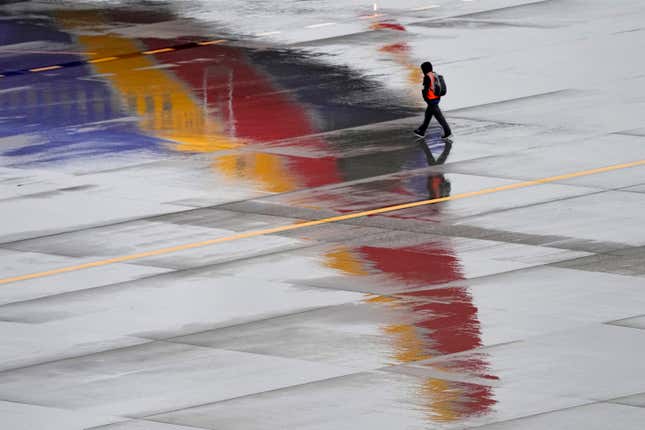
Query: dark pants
{"points": [[434, 110]]}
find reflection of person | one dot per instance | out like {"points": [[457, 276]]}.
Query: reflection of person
{"points": [[432, 101], [438, 185]]}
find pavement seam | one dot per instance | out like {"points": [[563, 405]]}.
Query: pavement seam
{"points": [[127, 420], [498, 9], [618, 321], [511, 100], [89, 354], [531, 205], [259, 393], [439, 286], [91, 227], [621, 402], [584, 402], [480, 349], [175, 339], [410, 369]]}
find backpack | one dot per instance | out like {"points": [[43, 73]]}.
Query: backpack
{"points": [[440, 89]]}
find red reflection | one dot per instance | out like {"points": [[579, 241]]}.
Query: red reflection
{"points": [[253, 108], [445, 322], [236, 92], [415, 266], [387, 26]]}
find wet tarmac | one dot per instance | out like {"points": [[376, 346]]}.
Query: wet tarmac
{"points": [[200, 222]]}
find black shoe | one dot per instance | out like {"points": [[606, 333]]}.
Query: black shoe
{"points": [[418, 133]]}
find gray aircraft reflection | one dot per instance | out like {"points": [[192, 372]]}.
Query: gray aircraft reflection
{"points": [[437, 184]]}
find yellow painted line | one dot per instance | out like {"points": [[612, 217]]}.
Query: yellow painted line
{"points": [[102, 60], [211, 42], [432, 6], [376, 15], [305, 224], [158, 51], [268, 33], [44, 69]]}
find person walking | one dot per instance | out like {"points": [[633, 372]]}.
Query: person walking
{"points": [[432, 100]]}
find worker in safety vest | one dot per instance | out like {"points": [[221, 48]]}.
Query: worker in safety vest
{"points": [[432, 100]]}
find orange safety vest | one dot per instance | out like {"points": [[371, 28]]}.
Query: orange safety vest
{"points": [[431, 95]]}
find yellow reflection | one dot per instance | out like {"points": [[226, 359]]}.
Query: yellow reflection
{"points": [[267, 170], [165, 106], [345, 260], [168, 109], [408, 344], [444, 399], [381, 299]]}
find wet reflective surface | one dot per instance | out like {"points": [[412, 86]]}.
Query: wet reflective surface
{"points": [[126, 129]]}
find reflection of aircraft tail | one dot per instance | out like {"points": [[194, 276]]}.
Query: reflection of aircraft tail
{"points": [[208, 99], [445, 320], [252, 109], [165, 106]]}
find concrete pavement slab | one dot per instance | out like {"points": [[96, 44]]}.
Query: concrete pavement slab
{"points": [[596, 416], [14, 263], [56, 213], [569, 157], [142, 425], [394, 400], [20, 416], [575, 368], [168, 306], [154, 377], [602, 222], [26, 344], [420, 324], [631, 265]]}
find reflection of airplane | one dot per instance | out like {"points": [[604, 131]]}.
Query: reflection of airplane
{"points": [[201, 100], [192, 105], [164, 106], [437, 321], [446, 320]]}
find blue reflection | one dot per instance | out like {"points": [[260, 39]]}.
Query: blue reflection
{"points": [[63, 114]]}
